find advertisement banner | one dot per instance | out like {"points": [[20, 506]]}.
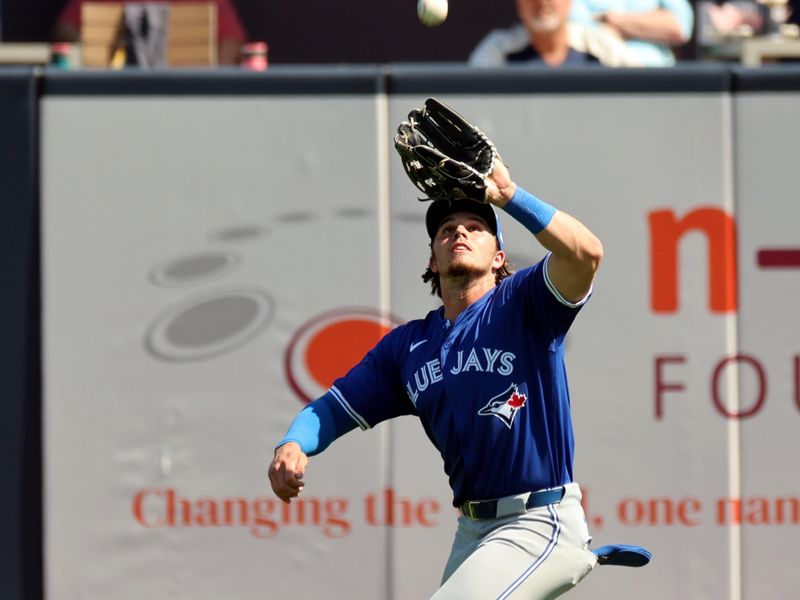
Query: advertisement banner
{"points": [[627, 167], [211, 264], [769, 340], [194, 253]]}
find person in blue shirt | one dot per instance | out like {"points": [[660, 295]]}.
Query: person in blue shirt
{"points": [[485, 375], [650, 28]]}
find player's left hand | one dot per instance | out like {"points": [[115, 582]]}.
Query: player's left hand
{"points": [[287, 470], [499, 185], [443, 154]]}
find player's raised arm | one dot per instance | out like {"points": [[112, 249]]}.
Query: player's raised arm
{"points": [[449, 159], [576, 251]]}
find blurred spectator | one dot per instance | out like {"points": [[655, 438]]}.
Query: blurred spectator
{"points": [[545, 36], [231, 34], [717, 22], [731, 16], [650, 27]]}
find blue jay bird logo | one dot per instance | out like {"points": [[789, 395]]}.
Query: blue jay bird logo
{"points": [[506, 404]]}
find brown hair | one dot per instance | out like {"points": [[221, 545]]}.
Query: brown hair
{"points": [[436, 283]]}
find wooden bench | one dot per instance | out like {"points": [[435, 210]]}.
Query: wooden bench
{"points": [[191, 35]]}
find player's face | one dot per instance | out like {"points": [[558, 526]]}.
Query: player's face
{"points": [[464, 245], [543, 16]]}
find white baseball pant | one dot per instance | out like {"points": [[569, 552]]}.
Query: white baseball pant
{"points": [[536, 555]]}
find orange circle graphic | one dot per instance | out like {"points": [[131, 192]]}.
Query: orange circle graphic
{"points": [[335, 349], [327, 346]]}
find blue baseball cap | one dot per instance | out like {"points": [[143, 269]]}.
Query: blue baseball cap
{"points": [[439, 209]]}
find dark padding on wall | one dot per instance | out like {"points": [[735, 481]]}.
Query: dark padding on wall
{"points": [[310, 80], [441, 79], [20, 388]]}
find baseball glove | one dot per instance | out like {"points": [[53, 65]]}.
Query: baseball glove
{"points": [[446, 157]]}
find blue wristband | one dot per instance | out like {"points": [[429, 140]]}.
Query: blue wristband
{"points": [[318, 424], [533, 213]]}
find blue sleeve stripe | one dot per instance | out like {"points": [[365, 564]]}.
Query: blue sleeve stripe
{"points": [[318, 425], [533, 213], [556, 293], [305, 430], [362, 423]]}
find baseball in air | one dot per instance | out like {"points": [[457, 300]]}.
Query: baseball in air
{"points": [[432, 12]]}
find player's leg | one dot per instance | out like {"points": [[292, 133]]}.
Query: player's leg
{"points": [[538, 555]]}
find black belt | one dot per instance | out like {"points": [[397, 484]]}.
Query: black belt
{"points": [[512, 505]]}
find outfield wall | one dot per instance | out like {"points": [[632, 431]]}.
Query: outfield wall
{"points": [[218, 246]]}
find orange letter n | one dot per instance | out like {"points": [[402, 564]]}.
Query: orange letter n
{"points": [[665, 233]]}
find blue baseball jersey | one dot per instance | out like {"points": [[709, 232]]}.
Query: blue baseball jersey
{"points": [[490, 388]]}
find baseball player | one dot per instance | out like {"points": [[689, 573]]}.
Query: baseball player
{"points": [[484, 373]]}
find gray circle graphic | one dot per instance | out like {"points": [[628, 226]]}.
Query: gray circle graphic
{"points": [[354, 212], [209, 325], [194, 268], [406, 217], [239, 233], [296, 217]]}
